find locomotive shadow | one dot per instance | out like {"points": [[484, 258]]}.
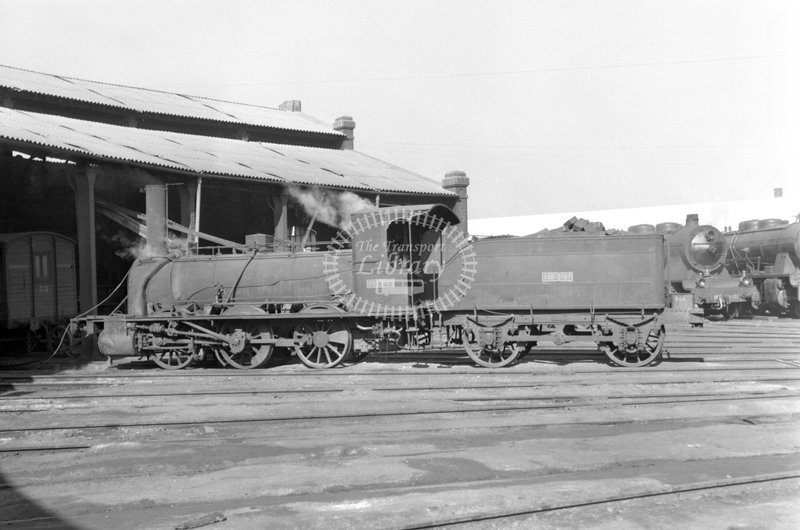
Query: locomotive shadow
{"points": [[566, 357], [419, 359], [17, 510], [560, 357]]}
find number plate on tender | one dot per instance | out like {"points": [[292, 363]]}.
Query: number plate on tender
{"points": [[552, 277]]}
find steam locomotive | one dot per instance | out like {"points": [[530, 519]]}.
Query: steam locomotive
{"points": [[768, 251], [696, 259], [398, 278]]}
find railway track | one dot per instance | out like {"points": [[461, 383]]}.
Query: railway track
{"points": [[557, 403], [553, 441], [40, 397], [741, 341], [519, 513], [605, 500]]}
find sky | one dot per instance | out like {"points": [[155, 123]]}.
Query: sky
{"points": [[548, 106]]}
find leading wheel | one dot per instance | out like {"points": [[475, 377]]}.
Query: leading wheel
{"points": [[322, 343], [649, 353], [72, 345], [173, 359]]}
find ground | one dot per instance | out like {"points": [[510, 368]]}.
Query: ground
{"points": [[709, 438]]}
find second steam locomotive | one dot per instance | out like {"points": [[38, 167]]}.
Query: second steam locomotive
{"points": [[696, 265], [768, 251]]}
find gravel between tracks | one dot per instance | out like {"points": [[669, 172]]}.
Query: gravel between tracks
{"points": [[708, 443]]}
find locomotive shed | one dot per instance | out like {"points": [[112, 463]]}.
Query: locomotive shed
{"points": [[708, 438]]}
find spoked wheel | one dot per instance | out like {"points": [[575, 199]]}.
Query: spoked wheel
{"points": [[322, 343], [243, 351], [55, 338], [72, 344], [633, 357], [173, 359], [493, 357]]}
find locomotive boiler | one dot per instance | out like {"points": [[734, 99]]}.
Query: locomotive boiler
{"points": [[768, 251], [397, 278]]}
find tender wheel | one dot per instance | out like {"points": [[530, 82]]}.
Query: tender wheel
{"points": [[173, 359], [241, 352], [493, 357], [323, 343], [633, 357]]}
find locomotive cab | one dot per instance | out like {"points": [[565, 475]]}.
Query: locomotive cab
{"points": [[398, 256]]}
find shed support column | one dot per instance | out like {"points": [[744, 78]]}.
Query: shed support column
{"points": [[87, 254], [280, 209]]}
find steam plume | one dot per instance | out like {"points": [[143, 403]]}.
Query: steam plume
{"points": [[329, 207], [137, 247]]}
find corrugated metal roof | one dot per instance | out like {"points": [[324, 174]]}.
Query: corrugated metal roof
{"points": [[154, 101], [214, 156]]}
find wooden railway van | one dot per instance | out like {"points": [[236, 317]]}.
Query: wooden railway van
{"points": [[37, 280]]}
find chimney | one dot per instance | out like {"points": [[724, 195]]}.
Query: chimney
{"points": [[346, 125], [156, 219], [457, 182], [292, 105], [692, 220]]}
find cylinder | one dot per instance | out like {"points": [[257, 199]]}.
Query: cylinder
{"points": [[116, 340]]}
